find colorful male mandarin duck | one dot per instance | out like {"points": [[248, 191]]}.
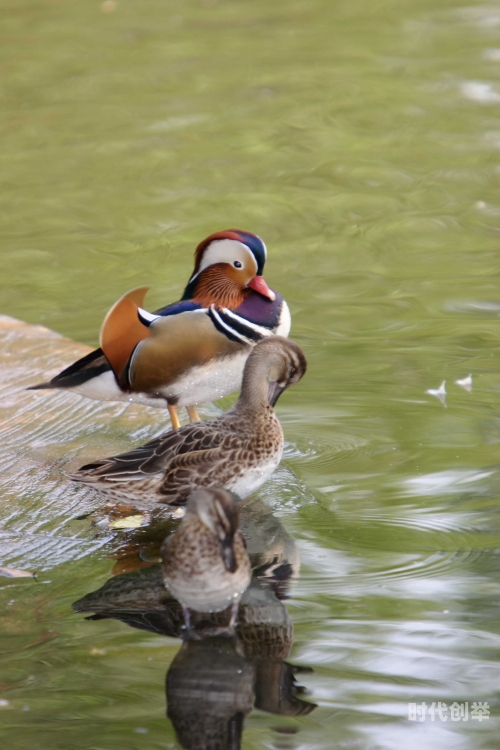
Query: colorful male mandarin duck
{"points": [[191, 351], [237, 451]]}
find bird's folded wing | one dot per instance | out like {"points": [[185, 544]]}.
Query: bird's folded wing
{"points": [[95, 363], [185, 473], [155, 456], [175, 345]]}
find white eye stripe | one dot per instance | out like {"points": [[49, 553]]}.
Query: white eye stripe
{"points": [[227, 251]]}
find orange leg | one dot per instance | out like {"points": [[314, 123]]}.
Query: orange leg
{"points": [[174, 415], [193, 414]]}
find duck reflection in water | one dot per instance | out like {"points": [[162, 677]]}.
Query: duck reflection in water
{"points": [[214, 682]]}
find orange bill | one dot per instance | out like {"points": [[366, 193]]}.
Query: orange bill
{"points": [[122, 330]]}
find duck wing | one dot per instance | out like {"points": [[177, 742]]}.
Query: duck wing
{"points": [[212, 467], [95, 363], [155, 456], [174, 346]]}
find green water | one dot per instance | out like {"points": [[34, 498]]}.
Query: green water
{"points": [[361, 141]]}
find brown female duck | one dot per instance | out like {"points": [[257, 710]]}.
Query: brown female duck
{"points": [[238, 451], [205, 562]]}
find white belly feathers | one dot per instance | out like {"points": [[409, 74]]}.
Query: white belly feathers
{"points": [[208, 382]]}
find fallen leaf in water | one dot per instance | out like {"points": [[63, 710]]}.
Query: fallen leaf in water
{"points": [[129, 522], [179, 513], [15, 573]]}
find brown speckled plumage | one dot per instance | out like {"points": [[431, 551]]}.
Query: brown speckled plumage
{"points": [[238, 451], [205, 562]]}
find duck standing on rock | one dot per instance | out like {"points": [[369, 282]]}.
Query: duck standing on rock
{"points": [[205, 562], [191, 351], [238, 451]]}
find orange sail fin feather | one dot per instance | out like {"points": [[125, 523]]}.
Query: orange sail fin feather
{"points": [[122, 330]]}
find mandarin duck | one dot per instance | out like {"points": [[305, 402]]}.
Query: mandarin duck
{"points": [[191, 351], [205, 562], [238, 451]]}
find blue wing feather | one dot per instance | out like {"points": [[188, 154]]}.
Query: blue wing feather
{"points": [[175, 308]]}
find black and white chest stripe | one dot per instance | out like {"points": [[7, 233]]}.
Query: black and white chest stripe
{"points": [[233, 326], [237, 328]]}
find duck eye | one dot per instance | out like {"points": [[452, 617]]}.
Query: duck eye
{"points": [[237, 264], [292, 372]]}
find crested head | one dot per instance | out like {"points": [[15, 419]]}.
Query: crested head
{"points": [[251, 241], [228, 265], [218, 512], [274, 364]]}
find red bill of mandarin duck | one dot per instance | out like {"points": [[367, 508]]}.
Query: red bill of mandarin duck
{"points": [[191, 351], [237, 451]]}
